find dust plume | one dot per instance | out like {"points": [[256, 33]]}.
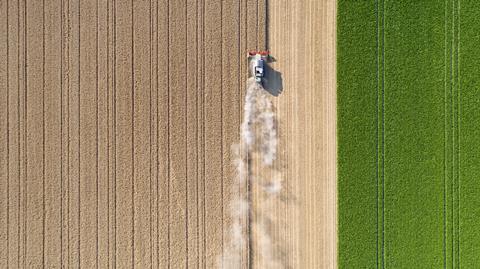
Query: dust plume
{"points": [[249, 231]]}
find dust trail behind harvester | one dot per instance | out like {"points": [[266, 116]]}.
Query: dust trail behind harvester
{"points": [[250, 230]]}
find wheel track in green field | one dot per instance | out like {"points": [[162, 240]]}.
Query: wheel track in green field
{"points": [[458, 117], [380, 16], [452, 136], [454, 39]]}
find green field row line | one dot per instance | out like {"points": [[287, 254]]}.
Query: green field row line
{"points": [[380, 11], [452, 151]]}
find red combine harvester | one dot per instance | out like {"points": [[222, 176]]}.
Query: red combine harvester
{"points": [[257, 61]]}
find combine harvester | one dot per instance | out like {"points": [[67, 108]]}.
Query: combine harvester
{"points": [[257, 60]]}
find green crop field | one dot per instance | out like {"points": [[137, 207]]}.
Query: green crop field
{"points": [[408, 134]]}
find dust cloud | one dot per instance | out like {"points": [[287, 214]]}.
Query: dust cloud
{"points": [[249, 231]]}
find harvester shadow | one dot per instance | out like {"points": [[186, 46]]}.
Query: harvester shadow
{"points": [[273, 82]]}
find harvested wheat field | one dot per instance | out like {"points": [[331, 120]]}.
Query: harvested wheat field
{"points": [[125, 126]]}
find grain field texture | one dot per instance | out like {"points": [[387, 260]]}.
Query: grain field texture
{"points": [[117, 118], [301, 37]]}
